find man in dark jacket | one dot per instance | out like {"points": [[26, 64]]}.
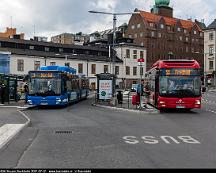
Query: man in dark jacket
{"points": [[2, 92]]}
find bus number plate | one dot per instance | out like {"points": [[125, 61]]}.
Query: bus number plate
{"points": [[180, 107]]}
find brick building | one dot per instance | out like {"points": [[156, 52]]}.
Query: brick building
{"points": [[11, 33], [165, 36]]}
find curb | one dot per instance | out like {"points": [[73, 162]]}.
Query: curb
{"points": [[9, 140], [122, 109]]}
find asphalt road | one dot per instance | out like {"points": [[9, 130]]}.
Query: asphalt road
{"points": [[82, 136]]}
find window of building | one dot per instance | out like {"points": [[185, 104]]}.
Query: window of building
{"points": [[138, 25], [185, 31], [141, 34], [117, 70], [180, 38], [127, 53], [141, 54], [211, 36], [201, 34], [130, 36], [135, 35], [192, 49], [80, 68], [179, 29], [61, 50], [141, 71], [31, 47], [46, 49], [151, 24], [187, 39], [20, 65], [211, 65], [162, 26], [159, 35], [93, 68], [187, 49], [37, 65], [133, 27], [169, 28], [127, 70], [192, 40], [134, 54], [106, 69], [211, 50], [142, 44], [152, 34], [195, 32], [67, 64], [134, 71], [52, 63]]}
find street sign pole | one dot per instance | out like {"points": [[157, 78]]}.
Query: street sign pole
{"points": [[140, 63]]}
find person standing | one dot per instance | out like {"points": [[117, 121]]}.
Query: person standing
{"points": [[2, 93], [26, 90]]}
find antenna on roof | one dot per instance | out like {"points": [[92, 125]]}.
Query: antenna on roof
{"points": [[11, 21], [34, 30]]}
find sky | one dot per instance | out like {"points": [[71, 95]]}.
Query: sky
{"points": [[52, 17]]}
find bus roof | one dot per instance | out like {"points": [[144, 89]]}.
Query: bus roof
{"points": [[176, 63], [59, 68]]}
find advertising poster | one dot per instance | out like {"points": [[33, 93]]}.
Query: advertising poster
{"points": [[105, 89]]}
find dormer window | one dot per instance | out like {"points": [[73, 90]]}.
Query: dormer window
{"points": [[195, 32], [46, 49], [31, 47], [162, 26], [151, 24]]}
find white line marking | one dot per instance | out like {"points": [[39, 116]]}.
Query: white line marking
{"points": [[8, 131]]}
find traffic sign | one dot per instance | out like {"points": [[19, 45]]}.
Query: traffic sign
{"points": [[141, 60]]}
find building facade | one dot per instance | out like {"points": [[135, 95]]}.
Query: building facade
{"points": [[164, 36], [210, 53], [68, 38], [131, 71], [18, 57]]}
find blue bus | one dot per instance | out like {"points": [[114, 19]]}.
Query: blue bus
{"points": [[56, 85]]}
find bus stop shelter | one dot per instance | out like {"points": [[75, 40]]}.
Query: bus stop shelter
{"points": [[10, 83]]}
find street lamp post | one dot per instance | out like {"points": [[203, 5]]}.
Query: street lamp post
{"points": [[114, 31]]}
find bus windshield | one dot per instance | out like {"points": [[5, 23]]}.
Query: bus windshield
{"points": [[45, 87], [180, 86]]}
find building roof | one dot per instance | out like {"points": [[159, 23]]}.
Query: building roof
{"points": [[49, 44], [212, 25], [81, 57], [150, 17]]}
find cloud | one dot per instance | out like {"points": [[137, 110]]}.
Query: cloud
{"points": [[52, 17]]}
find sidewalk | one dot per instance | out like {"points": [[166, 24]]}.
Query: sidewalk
{"points": [[14, 104], [126, 106]]}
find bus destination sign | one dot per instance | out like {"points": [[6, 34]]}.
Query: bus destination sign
{"points": [[179, 72], [44, 75]]}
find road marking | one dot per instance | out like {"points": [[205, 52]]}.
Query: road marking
{"points": [[8, 131], [151, 140]]}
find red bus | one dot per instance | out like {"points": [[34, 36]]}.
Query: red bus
{"points": [[175, 84]]}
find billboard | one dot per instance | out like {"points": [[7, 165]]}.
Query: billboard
{"points": [[4, 63], [105, 89]]}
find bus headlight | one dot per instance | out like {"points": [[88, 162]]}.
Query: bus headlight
{"points": [[162, 102], [58, 100], [198, 102], [29, 102]]}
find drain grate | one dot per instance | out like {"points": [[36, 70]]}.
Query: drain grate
{"points": [[63, 132]]}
